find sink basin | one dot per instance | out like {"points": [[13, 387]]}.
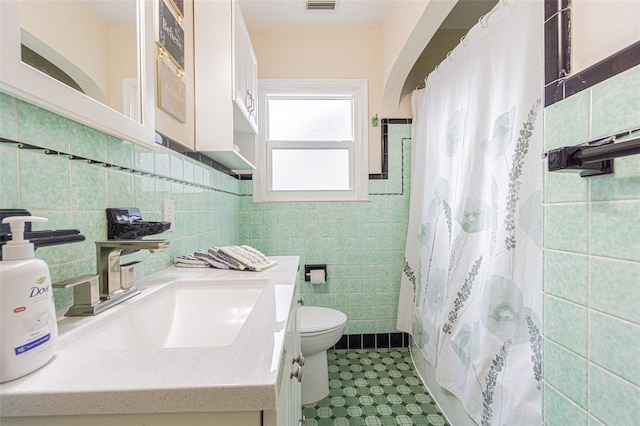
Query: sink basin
{"points": [[185, 313]]}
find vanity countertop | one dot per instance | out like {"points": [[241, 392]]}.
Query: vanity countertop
{"points": [[239, 377]]}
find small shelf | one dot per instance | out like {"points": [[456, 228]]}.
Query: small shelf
{"points": [[232, 159]]}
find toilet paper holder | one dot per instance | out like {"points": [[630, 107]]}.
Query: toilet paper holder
{"points": [[309, 268]]}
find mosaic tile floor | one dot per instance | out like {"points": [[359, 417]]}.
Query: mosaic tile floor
{"points": [[373, 387]]}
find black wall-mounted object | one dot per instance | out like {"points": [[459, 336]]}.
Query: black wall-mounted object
{"points": [[37, 238], [593, 158], [126, 224], [309, 268]]}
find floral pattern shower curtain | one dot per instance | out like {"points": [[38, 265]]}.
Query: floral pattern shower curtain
{"points": [[471, 288]]}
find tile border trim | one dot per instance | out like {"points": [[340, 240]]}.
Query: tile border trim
{"points": [[558, 85], [373, 341], [384, 148], [72, 157]]}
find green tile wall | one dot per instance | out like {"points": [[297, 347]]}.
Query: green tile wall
{"points": [[362, 243], [74, 194], [592, 266]]}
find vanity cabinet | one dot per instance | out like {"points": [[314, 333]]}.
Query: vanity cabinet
{"points": [[252, 381], [226, 84], [291, 369]]}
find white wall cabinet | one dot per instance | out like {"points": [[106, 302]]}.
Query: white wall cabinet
{"points": [[245, 76], [226, 74]]}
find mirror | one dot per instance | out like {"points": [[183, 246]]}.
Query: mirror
{"points": [[81, 59]]}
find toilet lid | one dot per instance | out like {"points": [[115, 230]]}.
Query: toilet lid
{"points": [[315, 318]]}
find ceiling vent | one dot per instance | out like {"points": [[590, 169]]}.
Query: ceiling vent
{"points": [[321, 5]]}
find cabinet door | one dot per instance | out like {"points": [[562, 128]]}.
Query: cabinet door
{"points": [[240, 41], [289, 410], [295, 392]]}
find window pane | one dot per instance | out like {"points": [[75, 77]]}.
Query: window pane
{"points": [[310, 169], [310, 119]]}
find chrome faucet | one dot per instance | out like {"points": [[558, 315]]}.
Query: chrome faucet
{"points": [[114, 282]]}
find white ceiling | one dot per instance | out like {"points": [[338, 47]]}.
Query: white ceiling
{"points": [[349, 14]]}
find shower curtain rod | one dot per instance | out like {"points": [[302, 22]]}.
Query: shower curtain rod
{"points": [[482, 21], [593, 158]]}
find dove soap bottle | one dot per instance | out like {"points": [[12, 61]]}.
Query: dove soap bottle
{"points": [[27, 313]]}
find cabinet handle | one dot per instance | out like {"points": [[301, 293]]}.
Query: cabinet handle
{"points": [[250, 102], [301, 301], [297, 373], [299, 359], [303, 420]]}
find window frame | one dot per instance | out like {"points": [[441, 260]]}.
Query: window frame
{"points": [[358, 148]]}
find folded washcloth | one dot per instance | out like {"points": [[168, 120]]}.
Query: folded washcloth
{"points": [[249, 257], [189, 261], [229, 257], [211, 259], [224, 259]]}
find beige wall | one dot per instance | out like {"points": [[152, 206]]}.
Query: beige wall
{"points": [[325, 54], [600, 28]]}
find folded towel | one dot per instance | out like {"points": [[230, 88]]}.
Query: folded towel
{"points": [[251, 258], [189, 261], [230, 257]]}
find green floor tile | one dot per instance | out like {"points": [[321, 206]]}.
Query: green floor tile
{"points": [[374, 387]]}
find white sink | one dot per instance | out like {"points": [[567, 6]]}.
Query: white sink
{"points": [[183, 314]]}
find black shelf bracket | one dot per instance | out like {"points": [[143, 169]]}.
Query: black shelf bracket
{"points": [[593, 158]]}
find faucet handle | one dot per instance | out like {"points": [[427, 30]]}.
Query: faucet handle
{"points": [[86, 289], [126, 274]]}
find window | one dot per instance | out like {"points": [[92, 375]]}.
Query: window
{"points": [[312, 143]]}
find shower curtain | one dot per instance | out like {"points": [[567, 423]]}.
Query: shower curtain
{"points": [[471, 289]]}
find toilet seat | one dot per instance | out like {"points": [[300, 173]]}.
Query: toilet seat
{"points": [[318, 320]]}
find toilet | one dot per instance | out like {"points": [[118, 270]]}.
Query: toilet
{"points": [[320, 329]]}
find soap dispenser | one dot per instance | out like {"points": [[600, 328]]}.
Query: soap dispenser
{"points": [[27, 312]]}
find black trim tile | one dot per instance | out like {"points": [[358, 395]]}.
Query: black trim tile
{"points": [[373, 341], [406, 340], [551, 65], [396, 340], [342, 343], [623, 60], [355, 341], [398, 120], [551, 7], [382, 340], [368, 341], [553, 92]]}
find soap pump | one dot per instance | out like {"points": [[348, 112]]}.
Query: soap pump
{"points": [[27, 312]]}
